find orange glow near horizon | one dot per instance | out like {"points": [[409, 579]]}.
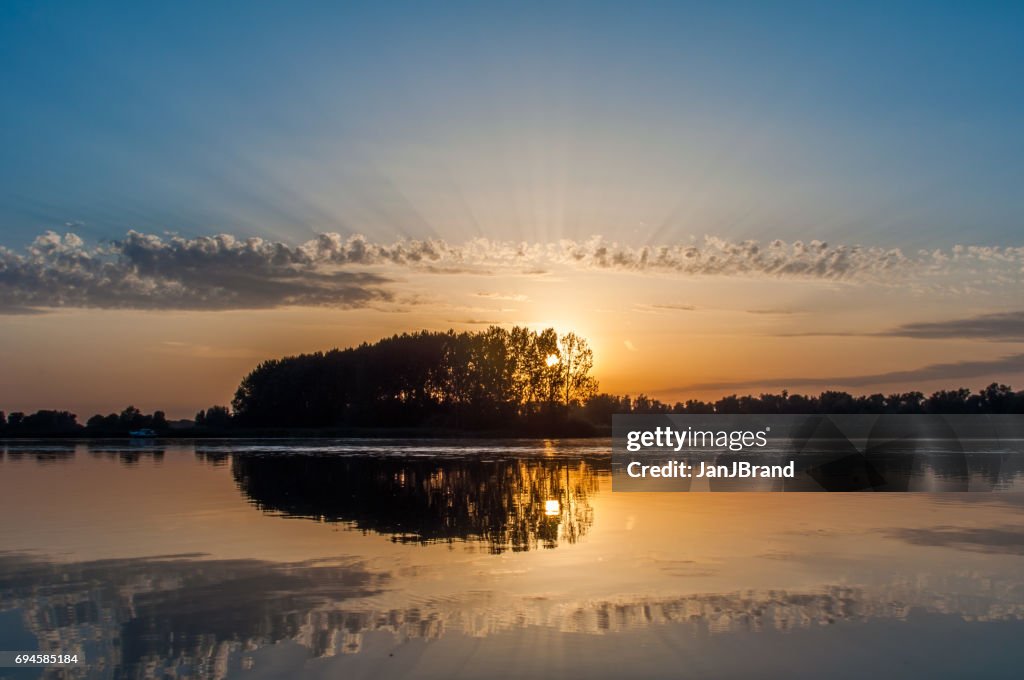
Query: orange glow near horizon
{"points": [[669, 338]]}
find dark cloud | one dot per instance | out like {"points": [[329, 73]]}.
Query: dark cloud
{"points": [[10, 308], [1005, 327], [146, 272], [999, 327], [1013, 363]]}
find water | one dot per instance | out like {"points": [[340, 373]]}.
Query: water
{"points": [[290, 559]]}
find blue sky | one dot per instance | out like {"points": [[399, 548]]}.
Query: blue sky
{"points": [[879, 124]]}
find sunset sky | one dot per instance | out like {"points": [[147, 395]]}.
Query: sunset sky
{"points": [[722, 197]]}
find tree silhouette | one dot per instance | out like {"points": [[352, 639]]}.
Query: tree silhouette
{"points": [[995, 398], [215, 417], [494, 378], [576, 360], [121, 424]]}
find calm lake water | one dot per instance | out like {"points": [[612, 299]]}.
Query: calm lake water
{"points": [[390, 559]]}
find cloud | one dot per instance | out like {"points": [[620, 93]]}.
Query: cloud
{"points": [[665, 308], [773, 311], [999, 327], [10, 308], [711, 257], [199, 351], [147, 272], [224, 272], [1005, 327], [504, 296], [963, 370]]}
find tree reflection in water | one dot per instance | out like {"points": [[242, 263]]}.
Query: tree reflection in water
{"points": [[508, 504]]}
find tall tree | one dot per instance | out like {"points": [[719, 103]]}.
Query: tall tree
{"points": [[576, 360]]}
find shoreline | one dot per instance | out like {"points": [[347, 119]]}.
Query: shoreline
{"points": [[327, 433]]}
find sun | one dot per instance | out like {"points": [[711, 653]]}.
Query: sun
{"points": [[551, 360]]}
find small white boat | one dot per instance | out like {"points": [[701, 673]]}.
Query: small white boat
{"points": [[144, 432]]}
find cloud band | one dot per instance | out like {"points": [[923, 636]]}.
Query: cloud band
{"points": [[223, 272]]}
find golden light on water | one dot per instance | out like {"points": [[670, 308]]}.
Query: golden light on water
{"points": [[551, 360], [552, 507]]}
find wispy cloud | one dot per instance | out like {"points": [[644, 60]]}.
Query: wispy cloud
{"points": [[200, 351], [711, 257], [513, 297], [224, 272], [1005, 326], [998, 327], [957, 370], [665, 308], [475, 322], [773, 312]]}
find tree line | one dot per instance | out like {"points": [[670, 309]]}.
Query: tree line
{"points": [[996, 398], [50, 422], [514, 380]]}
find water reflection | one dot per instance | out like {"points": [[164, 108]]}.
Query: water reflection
{"points": [[292, 561], [41, 452], [178, 617], [129, 452], [179, 613], [512, 504]]}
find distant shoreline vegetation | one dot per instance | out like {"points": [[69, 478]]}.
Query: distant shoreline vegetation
{"points": [[512, 382]]}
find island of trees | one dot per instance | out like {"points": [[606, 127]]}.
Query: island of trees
{"points": [[510, 381], [497, 378]]}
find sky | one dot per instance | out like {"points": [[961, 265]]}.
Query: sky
{"points": [[722, 197]]}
